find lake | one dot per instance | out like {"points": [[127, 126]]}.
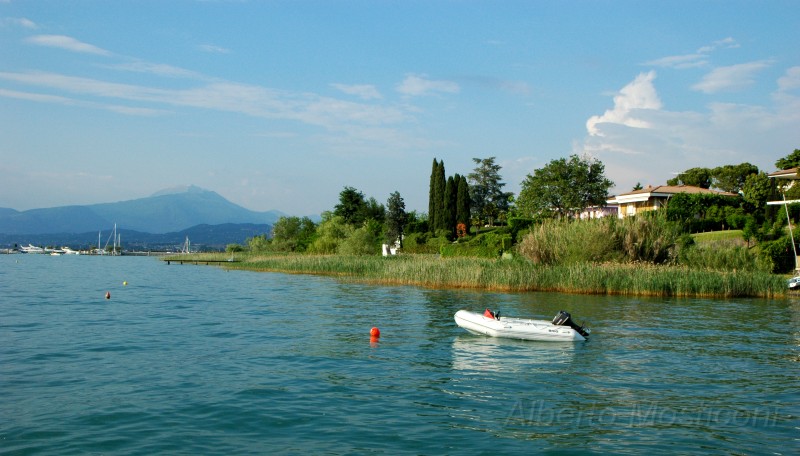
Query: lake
{"points": [[199, 360]]}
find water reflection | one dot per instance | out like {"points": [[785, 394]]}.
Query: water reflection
{"points": [[489, 354]]}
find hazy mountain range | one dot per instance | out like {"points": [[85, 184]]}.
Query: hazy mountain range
{"points": [[163, 216]]}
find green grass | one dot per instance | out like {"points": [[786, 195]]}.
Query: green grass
{"points": [[642, 279], [727, 235]]}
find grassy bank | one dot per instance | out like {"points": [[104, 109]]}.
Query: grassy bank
{"points": [[519, 275]]}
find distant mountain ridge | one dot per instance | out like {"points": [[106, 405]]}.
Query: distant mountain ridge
{"points": [[166, 211]]}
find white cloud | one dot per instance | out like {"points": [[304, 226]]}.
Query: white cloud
{"points": [[363, 91], [213, 49], [680, 61], [694, 60], [18, 22], [628, 103], [720, 134], [226, 96], [67, 43], [730, 78], [414, 85], [791, 80], [158, 69]]}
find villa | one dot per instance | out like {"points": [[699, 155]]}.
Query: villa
{"points": [[653, 198]]}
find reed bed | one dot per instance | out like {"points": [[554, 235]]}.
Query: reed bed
{"points": [[641, 279]]}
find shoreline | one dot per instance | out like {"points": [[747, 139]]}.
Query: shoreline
{"points": [[432, 271]]}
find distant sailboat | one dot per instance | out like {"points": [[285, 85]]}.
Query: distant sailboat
{"points": [[186, 246]]}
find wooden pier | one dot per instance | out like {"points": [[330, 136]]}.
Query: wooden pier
{"points": [[196, 261]]}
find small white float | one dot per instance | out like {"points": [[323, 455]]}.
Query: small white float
{"points": [[562, 328]]}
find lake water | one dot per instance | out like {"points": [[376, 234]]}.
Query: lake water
{"points": [[199, 360]]}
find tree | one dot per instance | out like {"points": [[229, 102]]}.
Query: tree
{"points": [[564, 187], [396, 218], [486, 191], [462, 201], [448, 219], [790, 161], [432, 196], [731, 178], [293, 234], [696, 177], [638, 186], [331, 232], [351, 206]]}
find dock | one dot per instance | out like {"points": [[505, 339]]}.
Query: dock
{"points": [[196, 261]]}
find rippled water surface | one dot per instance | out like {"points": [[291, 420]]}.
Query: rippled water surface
{"points": [[198, 360]]}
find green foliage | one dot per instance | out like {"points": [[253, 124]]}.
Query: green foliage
{"points": [[518, 224], [731, 178], [354, 208], [486, 190], [722, 256], [293, 234], [330, 233], [778, 254], [234, 248], [790, 161], [757, 190], [462, 201], [487, 245], [696, 177], [365, 240], [563, 188], [258, 243], [448, 219], [518, 275], [704, 212], [644, 238], [395, 218]]}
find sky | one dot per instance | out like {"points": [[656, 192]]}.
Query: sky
{"points": [[280, 105]]}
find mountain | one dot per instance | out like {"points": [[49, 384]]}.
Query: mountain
{"points": [[202, 237], [166, 211]]}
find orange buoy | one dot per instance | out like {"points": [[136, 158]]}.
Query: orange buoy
{"points": [[108, 295], [375, 332]]}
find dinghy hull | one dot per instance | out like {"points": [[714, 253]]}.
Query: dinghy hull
{"points": [[515, 328]]}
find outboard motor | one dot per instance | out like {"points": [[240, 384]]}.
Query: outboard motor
{"points": [[563, 318]]}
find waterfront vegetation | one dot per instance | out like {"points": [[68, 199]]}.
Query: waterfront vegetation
{"points": [[517, 275], [700, 244]]}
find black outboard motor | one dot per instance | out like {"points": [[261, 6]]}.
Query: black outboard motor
{"points": [[563, 318]]}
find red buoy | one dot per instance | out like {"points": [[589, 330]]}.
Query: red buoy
{"points": [[375, 332]]}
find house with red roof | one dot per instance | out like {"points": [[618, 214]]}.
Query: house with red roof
{"points": [[653, 198]]}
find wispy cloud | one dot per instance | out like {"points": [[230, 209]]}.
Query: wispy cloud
{"points": [[18, 22], [158, 69], [699, 58], [730, 78], [226, 96], [790, 80], [67, 43], [418, 85], [634, 97], [210, 48], [363, 91]]}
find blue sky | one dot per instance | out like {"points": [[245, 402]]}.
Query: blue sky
{"points": [[281, 104]]}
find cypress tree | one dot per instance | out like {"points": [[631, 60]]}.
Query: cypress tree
{"points": [[449, 202], [439, 187], [462, 202], [432, 197]]}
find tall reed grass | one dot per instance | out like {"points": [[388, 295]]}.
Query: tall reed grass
{"points": [[520, 275]]}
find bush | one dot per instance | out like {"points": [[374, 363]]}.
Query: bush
{"points": [[778, 254], [722, 256]]}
